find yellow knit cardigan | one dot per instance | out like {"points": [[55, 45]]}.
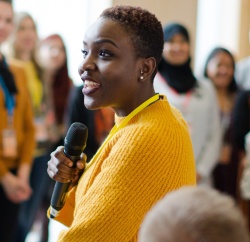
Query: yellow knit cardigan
{"points": [[23, 122], [151, 156]]}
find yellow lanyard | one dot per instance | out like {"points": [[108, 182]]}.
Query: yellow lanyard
{"points": [[115, 129]]}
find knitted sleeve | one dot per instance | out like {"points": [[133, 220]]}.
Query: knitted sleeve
{"points": [[145, 163], [23, 122]]}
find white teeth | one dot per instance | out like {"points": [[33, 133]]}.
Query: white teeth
{"points": [[91, 84]]}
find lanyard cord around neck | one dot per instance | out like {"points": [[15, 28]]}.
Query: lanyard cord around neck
{"points": [[9, 99], [115, 129]]}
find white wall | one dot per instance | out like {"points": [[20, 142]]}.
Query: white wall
{"points": [[217, 25], [69, 18]]}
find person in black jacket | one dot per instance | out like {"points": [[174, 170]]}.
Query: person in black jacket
{"points": [[240, 128]]}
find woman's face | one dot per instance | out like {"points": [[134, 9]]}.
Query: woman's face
{"points": [[176, 50], [220, 70], [109, 68], [26, 35], [6, 20], [52, 54]]}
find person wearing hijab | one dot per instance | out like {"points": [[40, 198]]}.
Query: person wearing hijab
{"points": [[195, 99]]}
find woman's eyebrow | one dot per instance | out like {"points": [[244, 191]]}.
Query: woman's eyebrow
{"points": [[101, 41]]}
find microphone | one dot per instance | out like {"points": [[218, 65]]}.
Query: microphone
{"points": [[74, 144]]}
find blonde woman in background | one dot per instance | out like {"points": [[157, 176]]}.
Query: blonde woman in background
{"points": [[23, 46]]}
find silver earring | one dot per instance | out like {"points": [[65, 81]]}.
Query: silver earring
{"points": [[141, 77]]}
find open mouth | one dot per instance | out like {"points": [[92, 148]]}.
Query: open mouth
{"points": [[90, 87]]}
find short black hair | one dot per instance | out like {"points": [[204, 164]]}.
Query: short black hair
{"points": [[145, 29]]}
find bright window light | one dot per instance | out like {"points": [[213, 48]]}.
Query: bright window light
{"points": [[68, 18]]}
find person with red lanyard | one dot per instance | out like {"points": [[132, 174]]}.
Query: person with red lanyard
{"points": [[195, 99]]}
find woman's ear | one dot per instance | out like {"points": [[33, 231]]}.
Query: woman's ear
{"points": [[148, 68]]}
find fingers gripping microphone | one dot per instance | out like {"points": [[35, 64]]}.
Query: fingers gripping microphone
{"points": [[74, 144]]}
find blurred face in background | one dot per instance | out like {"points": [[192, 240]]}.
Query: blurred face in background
{"points": [[220, 70], [52, 55], [26, 35], [6, 20], [176, 50]]}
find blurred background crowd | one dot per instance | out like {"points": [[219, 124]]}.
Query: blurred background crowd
{"points": [[204, 72]]}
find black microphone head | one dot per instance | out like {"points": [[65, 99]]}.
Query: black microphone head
{"points": [[76, 139]]}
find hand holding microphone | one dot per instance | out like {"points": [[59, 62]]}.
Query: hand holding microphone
{"points": [[66, 165]]}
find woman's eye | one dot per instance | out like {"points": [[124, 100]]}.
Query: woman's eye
{"points": [[105, 53], [84, 53]]}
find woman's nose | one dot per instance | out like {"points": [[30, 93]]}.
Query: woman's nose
{"points": [[223, 69], [176, 46], [55, 52], [86, 65]]}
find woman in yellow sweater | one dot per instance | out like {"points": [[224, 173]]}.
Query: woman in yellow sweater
{"points": [[148, 152]]}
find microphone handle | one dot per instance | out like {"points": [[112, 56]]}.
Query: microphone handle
{"points": [[59, 195], [60, 192]]}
